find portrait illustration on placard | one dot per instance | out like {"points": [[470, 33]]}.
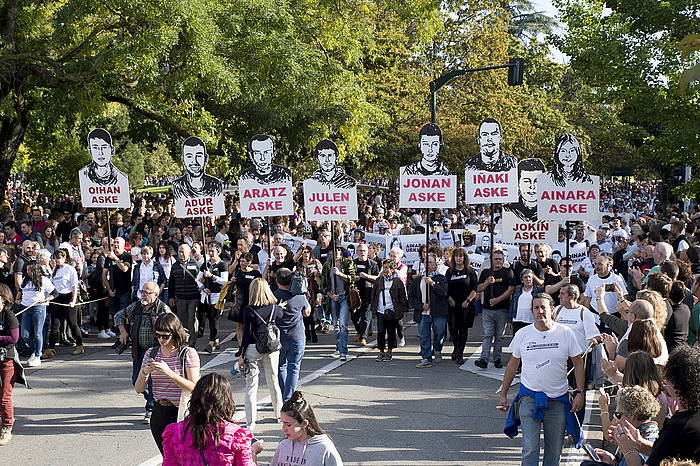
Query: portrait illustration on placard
{"points": [[101, 171], [329, 173], [195, 182], [330, 193], [429, 144], [568, 162], [195, 193], [101, 183], [261, 152], [526, 207], [490, 157]]}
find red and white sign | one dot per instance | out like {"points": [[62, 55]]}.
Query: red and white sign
{"points": [[574, 201], [485, 187], [516, 230], [258, 200], [322, 202], [199, 206], [427, 192]]}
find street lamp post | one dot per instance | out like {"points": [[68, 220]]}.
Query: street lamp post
{"points": [[516, 67]]}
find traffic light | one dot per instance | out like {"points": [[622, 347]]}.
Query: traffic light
{"points": [[515, 72]]}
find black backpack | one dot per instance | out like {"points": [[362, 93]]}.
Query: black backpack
{"points": [[270, 341], [299, 284]]}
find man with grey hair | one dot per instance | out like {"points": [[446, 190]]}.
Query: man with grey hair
{"points": [[74, 247], [141, 316], [611, 281], [662, 253]]}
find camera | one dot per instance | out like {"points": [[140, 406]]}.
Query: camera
{"points": [[3, 354], [119, 347]]}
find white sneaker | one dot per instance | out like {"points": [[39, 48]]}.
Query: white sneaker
{"points": [[111, 333], [335, 354], [33, 361], [84, 330], [402, 342], [103, 335]]}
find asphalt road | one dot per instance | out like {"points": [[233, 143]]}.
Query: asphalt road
{"points": [[83, 410]]}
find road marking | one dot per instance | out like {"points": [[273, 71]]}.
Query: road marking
{"points": [[490, 372], [240, 415]]}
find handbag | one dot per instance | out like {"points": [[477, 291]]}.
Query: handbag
{"points": [[354, 300]]}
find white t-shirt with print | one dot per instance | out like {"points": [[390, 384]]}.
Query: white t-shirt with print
{"points": [[610, 298], [584, 329], [544, 356]]}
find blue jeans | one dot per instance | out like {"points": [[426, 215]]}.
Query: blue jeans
{"points": [[340, 313], [494, 322], [435, 325], [320, 313], [33, 319], [554, 424], [135, 369], [290, 365]]}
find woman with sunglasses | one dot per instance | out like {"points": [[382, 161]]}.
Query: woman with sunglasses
{"points": [[173, 368]]}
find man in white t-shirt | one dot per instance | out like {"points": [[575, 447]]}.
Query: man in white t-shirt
{"points": [[606, 277], [544, 349]]}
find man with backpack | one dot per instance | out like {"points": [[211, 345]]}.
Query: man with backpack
{"points": [[140, 316], [292, 337]]}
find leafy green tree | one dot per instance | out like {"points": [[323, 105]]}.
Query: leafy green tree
{"points": [[627, 55]]}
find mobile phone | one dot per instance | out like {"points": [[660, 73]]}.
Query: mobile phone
{"points": [[591, 452], [610, 287], [149, 360]]}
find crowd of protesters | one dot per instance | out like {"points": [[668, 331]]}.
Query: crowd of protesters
{"points": [[634, 294]]}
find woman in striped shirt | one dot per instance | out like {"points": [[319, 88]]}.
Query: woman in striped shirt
{"points": [[172, 367]]}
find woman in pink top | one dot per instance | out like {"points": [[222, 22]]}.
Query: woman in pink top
{"points": [[209, 435]]}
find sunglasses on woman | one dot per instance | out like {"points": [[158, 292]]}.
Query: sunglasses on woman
{"points": [[163, 336]]}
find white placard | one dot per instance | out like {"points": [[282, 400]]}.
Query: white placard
{"points": [[294, 242], [195, 193], [486, 187], [200, 207], [323, 202], [427, 192], [516, 230], [102, 184], [476, 261], [261, 200], [574, 201], [409, 244], [578, 254]]}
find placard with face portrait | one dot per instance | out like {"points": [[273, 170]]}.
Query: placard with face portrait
{"points": [[491, 176], [520, 223], [101, 183], [427, 184], [330, 193], [567, 191], [265, 189], [195, 193]]}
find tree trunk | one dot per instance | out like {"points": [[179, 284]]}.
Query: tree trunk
{"points": [[12, 131]]}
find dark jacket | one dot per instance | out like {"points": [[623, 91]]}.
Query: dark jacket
{"points": [[397, 293], [438, 296], [182, 283], [132, 315], [514, 299]]}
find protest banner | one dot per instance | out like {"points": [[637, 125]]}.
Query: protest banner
{"points": [[195, 193], [516, 230], [427, 184], [379, 242], [579, 255], [330, 193], [491, 176], [265, 189], [567, 192], [294, 242], [476, 261], [409, 244], [102, 184]]}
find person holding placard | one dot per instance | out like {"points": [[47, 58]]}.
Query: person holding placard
{"points": [[336, 279], [428, 298], [496, 285]]}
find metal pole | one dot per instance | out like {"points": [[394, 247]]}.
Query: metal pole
{"points": [[433, 102], [566, 224], [334, 285], [204, 245], [109, 232], [427, 253], [492, 229]]}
